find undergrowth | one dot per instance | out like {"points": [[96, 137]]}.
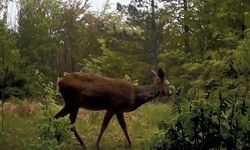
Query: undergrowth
{"points": [[204, 124]]}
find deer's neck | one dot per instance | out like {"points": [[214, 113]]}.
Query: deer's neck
{"points": [[146, 94]]}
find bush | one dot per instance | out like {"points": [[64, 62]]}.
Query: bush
{"points": [[48, 132], [204, 124]]}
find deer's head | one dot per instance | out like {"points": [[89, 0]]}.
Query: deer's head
{"points": [[162, 84]]}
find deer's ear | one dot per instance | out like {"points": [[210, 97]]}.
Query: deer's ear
{"points": [[154, 72], [161, 74]]}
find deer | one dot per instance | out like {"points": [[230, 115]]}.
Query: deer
{"points": [[116, 96]]}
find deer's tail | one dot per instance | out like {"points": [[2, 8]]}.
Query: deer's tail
{"points": [[58, 85]]}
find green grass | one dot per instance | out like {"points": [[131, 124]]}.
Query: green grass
{"points": [[21, 131], [16, 130]]}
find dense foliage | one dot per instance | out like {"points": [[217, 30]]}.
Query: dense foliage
{"points": [[202, 44], [222, 123]]}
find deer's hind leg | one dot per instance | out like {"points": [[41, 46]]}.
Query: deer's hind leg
{"points": [[72, 116], [66, 109], [63, 112]]}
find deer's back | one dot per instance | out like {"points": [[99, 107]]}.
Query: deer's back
{"points": [[97, 92]]}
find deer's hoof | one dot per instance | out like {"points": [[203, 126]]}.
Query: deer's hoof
{"points": [[58, 138], [129, 147], [97, 147], [84, 147]]}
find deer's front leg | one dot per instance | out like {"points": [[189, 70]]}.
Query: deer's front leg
{"points": [[106, 120], [120, 118]]}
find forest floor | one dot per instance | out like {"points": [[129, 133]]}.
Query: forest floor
{"points": [[22, 120]]}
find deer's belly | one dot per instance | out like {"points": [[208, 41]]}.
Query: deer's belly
{"points": [[96, 103], [100, 103]]}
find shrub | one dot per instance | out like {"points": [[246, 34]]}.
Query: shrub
{"points": [[222, 123]]}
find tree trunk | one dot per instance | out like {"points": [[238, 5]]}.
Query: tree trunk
{"points": [[186, 27], [154, 36]]}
